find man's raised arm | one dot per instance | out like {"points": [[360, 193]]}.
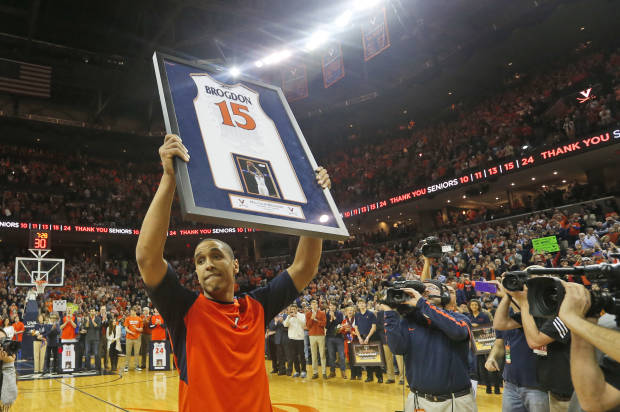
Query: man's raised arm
{"points": [[308, 255], [150, 246]]}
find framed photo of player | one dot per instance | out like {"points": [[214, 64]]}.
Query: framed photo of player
{"points": [[484, 338], [250, 165], [370, 354]]}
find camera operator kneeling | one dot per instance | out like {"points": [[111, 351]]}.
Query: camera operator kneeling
{"points": [[436, 344], [8, 379]]}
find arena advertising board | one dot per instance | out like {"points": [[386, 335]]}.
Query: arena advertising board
{"points": [[370, 354], [249, 163]]}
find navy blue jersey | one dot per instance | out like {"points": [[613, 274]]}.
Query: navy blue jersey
{"points": [[436, 346]]}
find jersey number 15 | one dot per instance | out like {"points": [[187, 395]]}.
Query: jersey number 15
{"points": [[237, 110]]}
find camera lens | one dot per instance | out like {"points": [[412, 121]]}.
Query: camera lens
{"points": [[545, 295], [512, 283]]}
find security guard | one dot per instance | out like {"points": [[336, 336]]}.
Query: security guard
{"points": [[436, 345]]}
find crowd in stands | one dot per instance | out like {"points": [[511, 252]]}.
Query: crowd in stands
{"points": [[537, 111], [66, 186], [586, 235]]}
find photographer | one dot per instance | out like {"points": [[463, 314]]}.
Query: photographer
{"points": [[521, 389], [8, 378], [550, 341], [597, 387], [436, 344]]}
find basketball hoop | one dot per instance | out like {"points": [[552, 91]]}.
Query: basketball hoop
{"points": [[40, 285]]}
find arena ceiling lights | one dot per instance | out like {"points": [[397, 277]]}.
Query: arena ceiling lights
{"points": [[320, 36]]}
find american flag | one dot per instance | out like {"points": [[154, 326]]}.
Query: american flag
{"points": [[25, 78]]}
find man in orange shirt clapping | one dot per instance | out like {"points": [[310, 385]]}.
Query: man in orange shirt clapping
{"points": [[133, 325]]}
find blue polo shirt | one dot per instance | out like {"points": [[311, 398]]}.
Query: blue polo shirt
{"points": [[364, 323], [520, 366]]}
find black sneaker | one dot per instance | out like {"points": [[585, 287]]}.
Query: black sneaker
{"points": [[315, 376]]}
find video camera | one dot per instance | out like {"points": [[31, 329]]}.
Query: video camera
{"points": [[514, 281], [545, 294], [431, 247], [395, 297], [9, 346]]}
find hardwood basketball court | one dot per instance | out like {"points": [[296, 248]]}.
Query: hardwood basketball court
{"points": [[158, 392]]}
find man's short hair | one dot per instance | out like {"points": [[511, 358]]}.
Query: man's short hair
{"points": [[225, 246]]}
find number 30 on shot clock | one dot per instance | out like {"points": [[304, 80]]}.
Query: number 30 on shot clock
{"points": [[39, 240]]}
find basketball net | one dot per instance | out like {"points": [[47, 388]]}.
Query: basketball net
{"points": [[40, 285]]}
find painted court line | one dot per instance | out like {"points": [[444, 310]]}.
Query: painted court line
{"points": [[92, 396]]}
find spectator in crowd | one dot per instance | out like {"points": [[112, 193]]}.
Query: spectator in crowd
{"points": [[348, 330], [296, 322], [92, 325], [113, 339], [282, 345], [335, 340], [52, 336], [365, 329], [103, 346], [272, 351], [389, 359], [145, 337], [18, 327], [315, 323], [133, 325], [39, 343]]}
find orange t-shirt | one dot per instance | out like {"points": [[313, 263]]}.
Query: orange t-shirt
{"points": [[131, 323], [238, 328], [158, 332], [19, 327], [69, 331]]}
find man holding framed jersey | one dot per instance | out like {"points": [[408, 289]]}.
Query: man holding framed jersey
{"points": [[217, 339]]}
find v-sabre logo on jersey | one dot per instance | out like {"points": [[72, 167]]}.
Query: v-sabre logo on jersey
{"points": [[228, 94]]}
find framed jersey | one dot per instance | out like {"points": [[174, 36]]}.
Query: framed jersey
{"points": [[159, 355], [250, 165], [67, 357]]}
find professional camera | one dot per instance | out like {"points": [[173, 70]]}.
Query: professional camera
{"points": [[9, 346], [394, 296], [545, 294], [514, 281], [431, 248]]}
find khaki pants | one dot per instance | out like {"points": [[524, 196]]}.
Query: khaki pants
{"points": [[556, 405], [461, 404], [38, 349], [132, 349], [318, 342], [389, 362], [400, 361]]}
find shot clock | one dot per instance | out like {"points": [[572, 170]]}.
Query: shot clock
{"points": [[40, 240]]}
